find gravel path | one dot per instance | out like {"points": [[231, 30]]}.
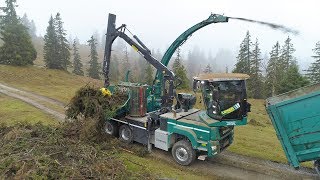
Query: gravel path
{"points": [[33, 100], [31, 95], [227, 165]]}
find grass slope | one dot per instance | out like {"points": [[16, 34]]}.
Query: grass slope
{"points": [[56, 84], [258, 138], [14, 111]]}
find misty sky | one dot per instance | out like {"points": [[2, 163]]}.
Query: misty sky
{"points": [[158, 23]]}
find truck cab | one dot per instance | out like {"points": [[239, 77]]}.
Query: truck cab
{"points": [[205, 132]]}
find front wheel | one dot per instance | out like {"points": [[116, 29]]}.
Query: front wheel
{"points": [[183, 153]]}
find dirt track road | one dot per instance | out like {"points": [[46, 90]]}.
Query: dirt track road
{"points": [[38, 101], [227, 165]]}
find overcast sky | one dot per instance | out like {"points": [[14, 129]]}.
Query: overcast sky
{"points": [[158, 23]]}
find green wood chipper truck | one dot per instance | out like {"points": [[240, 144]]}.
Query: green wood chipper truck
{"points": [[157, 116]]}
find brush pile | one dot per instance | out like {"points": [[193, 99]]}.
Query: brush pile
{"points": [[66, 152], [89, 102], [77, 149]]}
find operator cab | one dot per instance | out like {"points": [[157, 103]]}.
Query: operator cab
{"points": [[224, 95]]}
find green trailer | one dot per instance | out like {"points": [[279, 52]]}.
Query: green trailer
{"points": [[296, 118]]}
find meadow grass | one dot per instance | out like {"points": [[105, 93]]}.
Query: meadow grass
{"points": [[14, 111]]}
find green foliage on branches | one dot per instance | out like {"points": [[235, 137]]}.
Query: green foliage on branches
{"points": [[148, 78], [249, 62], [77, 65], [282, 71], [273, 71], [50, 46], [94, 66], [180, 71], [244, 56], [17, 48], [114, 68], [255, 83], [56, 47], [292, 80], [313, 72]]}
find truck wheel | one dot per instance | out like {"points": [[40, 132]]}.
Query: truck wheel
{"points": [[125, 134], [183, 153], [111, 128]]}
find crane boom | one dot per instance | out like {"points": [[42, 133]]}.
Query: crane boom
{"points": [[167, 75], [213, 18]]}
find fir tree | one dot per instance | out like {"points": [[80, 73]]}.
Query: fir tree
{"points": [[50, 46], [17, 48], [313, 71], [207, 69], [283, 72], [255, 82], [292, 79], [180, 71], [94, 67], [77, 65], [244, 56], [30, 25], [126, 65], [287, 58], [63, 48], [114, 68], [148, 78], [273, 71], [288, 74]]}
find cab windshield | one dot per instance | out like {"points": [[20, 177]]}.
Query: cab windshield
{"points": [[225, 99]]}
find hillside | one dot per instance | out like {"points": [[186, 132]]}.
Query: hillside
{"points": [[55, 84], [257, 139]]}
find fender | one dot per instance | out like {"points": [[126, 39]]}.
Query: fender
{"points": [[187, 133]]}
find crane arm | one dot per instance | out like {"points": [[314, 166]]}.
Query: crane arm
{"points": [[213, 18], [112, 34]]}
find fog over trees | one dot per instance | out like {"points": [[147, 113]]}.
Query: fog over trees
{"points": [[272, 71]]}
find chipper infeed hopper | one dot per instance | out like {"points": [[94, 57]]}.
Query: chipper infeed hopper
{"points": [[296, 118]]}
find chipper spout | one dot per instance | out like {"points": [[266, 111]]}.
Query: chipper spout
{"points": [[217, 18]]}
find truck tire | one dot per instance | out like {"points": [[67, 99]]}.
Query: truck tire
{"points": [[183, 153], [125, 134], [111, 128]]}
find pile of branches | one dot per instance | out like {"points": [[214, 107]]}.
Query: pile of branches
{"points": [[90, 102], [77, 149], [42, 152]]}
